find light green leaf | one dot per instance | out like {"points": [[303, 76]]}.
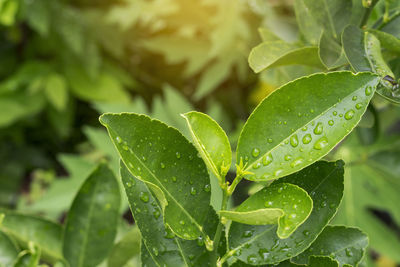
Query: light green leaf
{"points": [[160, 156], [8, 250], [260, 244], [127, 248], [211, 141], [302, 121], [95, 213], [330, 51], [267, 35], [43, 233], [284, 204], [280, 53], [307, 25], [387, 40], [333, 15], [346, 245], [56, 91], [353, 44]]}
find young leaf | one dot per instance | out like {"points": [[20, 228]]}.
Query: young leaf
{"points": [[323, 181], [160, 156], [160, 242], [346, 245], [43, 233], [212, 143], [363, 50], [284, 204], [8, 250], [280, 53], [302, 121], [91, 224], [387, 40]]}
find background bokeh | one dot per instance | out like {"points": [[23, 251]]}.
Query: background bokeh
{"points": [[65, 62]]}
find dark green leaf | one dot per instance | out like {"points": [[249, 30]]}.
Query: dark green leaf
{"points": [[43, 233], [127, 248], [353, 45], [28, 258], [212, 143], [322, 261], [284, 204], [307, 25], [280, 53], [346, 245], [160, 156], [91, 223], [302, 121], [387, 40], [323, 181], [330, 51]]}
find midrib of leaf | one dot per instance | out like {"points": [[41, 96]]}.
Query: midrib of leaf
{"points": [[151, 254], [159, 185], [299, 129], [85, 240], [208, 157], [261, 234], [177, 241]]}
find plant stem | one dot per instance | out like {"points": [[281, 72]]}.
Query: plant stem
{"points": [[235, 182], [218, 233], [368, 13]]}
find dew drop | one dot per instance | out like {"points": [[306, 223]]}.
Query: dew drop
{"points": [[193, 191], [312, 110], [368, 90], [162, 165], [288, 157], [268, 204], [307, 139], [318, 128], [252, 259], [331, 122], [304, 128], [321, 143], [267, 159], [247, 234], [296, 162], [155, 251], [207, 188], [349, 114], [255, 152], [277, 172], [269, 140], [182, 222], [354, 98], [128, 184], [349, 253], [178, 155], [173, 179], [200, 241], [306, 233], [334, 113], [118, 139], [280, 189], [294, 141], [156, 214], [144, 196], [359, 105], [256, 165]]}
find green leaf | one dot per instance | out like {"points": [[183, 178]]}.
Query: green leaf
{"points": [[280, 53], [363, 51], [333, 15], [302, 121], [307, 25], [387, 40], [330, 51], [160, 156], [145, 257], [323, 181], [127, 248], [353, 45], [392, 27], [28, 258], [325, 261], [284, 204], [91, 223], [212, 143], [162, 245], [8, 250], [56, 91], [43, 233], [346, 245]]}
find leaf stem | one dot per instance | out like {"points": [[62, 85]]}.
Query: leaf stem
{"points": [[369, 5], [218, 233], [235, 182]]}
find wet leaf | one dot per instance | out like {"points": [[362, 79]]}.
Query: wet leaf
{"points": [[284, 204], [160, 156], [302, 121], [91, 223], [212, 143], [8, 250]]}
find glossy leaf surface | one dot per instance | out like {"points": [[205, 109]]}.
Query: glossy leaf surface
{"points": [[284, 204], [95, 212], [302, 121], [254, 245], [162, 245], [43, 233], [8, 250], [346, 245], [212, 143], [160, 156], [280, 53]]}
